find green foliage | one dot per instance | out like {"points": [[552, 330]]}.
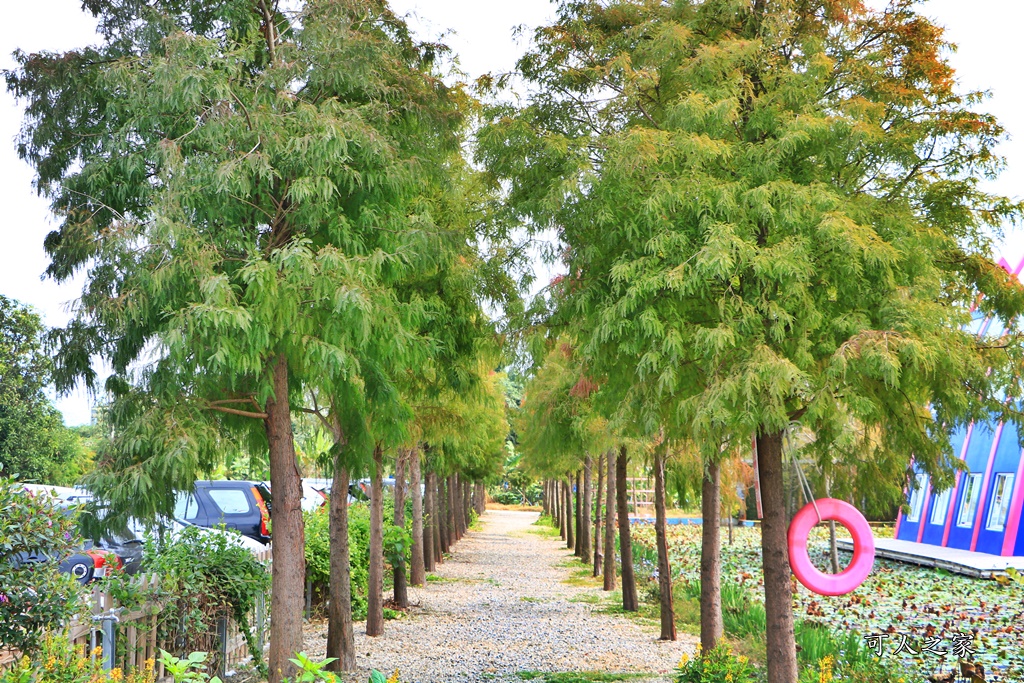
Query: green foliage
{"points": [[34, 443], [34, 596], [191, 669], [311, 671], [517, 486], [205, 576], [58, 661], [397, 545], [557, 423], [718, 665], [318, 557], [758, 233]]}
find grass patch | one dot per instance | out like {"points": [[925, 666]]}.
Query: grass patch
{"points": [[527, 598], [545, 531], [434, 578], [517, 508], [572, 562], [645, 613], [588, 598], [578, 676]]}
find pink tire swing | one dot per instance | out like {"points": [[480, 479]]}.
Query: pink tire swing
{"points": [[849, 579]]}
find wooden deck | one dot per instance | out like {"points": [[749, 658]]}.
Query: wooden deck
{"points": [[980, 565]]}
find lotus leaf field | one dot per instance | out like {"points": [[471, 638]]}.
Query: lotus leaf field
{"points": [[929, 606]]}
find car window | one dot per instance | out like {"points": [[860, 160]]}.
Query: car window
{"points": [[186, 507], [230, 501]]}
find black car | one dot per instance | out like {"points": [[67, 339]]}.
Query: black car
{"points": [[240, 505]]}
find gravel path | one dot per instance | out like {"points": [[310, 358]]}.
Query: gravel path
{"points": [[503, 608]]}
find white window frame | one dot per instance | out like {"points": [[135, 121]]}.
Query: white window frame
{"points": [[917, 498], [940, 507], [999, 508], [969, 500]]}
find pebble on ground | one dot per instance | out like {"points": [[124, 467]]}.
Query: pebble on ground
{"points": [[503, 608]]}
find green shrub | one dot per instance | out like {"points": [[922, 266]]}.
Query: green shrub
{"points": [[58, 661], [34, 597], [318, 554], [742, 616], [719, 665], [205, 576]]}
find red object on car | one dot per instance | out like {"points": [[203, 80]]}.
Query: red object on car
{"points": [[264, 514]]}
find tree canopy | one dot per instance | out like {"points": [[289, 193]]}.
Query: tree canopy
{"points": [[34, 443], [772, 216]]}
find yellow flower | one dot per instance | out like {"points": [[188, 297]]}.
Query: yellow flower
{"points": [[116, 675], [743, 660], [394, 677], [150, 663], [683, 660]]}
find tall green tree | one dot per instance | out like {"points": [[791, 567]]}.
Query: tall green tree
{"points": [[772, 217], [34, 443], [244, 185]]}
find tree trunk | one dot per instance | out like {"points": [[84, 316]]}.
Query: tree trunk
{"points": [[480, 498], [401, 584], [609, 525], [585, 508], [546, 502], [559, 496], [599, 463], [289, 567], [340, 639], [711, 626], [560, 488], [668, 620], [778, 596], [570, 532], [629, 600], [442, 516], [460, 523], [467, 502], [577, 512], [375, 587], [428, 525], [417, 574], [450, 489], [435, 522]]}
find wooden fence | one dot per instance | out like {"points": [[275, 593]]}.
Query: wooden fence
{"points": [[129, 638]]}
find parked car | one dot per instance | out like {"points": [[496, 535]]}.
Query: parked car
{"points": [[313, 497], [240, 505], [94, 558]]}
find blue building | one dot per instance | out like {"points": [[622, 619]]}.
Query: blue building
{"points": [[982, 512]]}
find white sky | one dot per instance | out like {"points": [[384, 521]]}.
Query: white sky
{"points": [[990, 57]]}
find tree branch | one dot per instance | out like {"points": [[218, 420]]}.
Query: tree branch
{"points": [[234, 411]]}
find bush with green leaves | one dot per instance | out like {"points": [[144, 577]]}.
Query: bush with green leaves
{"points": [[206, 576], [719, 665], [58, 660], [318, 554], [34, 596], [191, 669]]}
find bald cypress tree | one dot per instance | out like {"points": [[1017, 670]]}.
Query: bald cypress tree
{"points": [[243, 188], [772, 218]]}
